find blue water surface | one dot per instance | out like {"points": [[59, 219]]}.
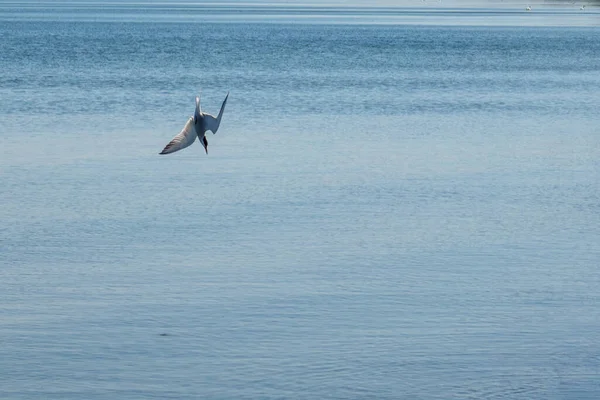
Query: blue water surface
{"points": [[388, 211]]}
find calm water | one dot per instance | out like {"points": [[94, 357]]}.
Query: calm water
{"points": [[389, 210]]}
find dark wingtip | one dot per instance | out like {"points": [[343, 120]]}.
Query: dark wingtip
{"points": [[166, 149]]}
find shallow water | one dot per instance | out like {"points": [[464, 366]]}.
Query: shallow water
{"points": [[387, 211]]}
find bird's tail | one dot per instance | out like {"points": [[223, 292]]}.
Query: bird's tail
{"points": [[198, 109]]}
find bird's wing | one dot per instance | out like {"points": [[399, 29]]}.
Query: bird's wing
{"points": [[185, 138], [211, 123]]}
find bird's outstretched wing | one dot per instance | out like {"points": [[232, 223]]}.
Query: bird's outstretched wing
{"points": [[210, 122], [185, 138]]}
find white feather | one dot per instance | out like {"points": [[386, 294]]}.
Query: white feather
{"points": [[211, 123], [183, 139]]}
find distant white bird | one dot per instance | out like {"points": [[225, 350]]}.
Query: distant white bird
{"points": [[528, 8], [582, 7], [196, 127]]}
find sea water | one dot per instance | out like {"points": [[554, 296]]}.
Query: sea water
{"points": [[395, 205]]}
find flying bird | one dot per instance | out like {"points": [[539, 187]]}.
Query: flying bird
{"points": [[196, 127]]}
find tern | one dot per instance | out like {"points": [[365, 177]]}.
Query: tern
{"points": [[196, 127]]}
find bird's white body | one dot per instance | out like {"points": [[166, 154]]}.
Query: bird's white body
{"points": [[196, 127]]}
